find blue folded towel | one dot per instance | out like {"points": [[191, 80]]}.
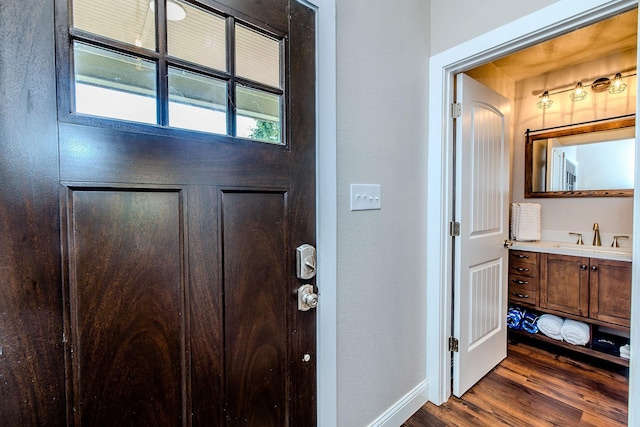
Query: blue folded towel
{"points": [[530, 323], [514, 317]]}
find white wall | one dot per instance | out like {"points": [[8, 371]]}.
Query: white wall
{"points": [[614, 214], [382, 68], [454, 22]]}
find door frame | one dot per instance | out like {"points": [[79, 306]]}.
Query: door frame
{"points": [[326, 212], [549, 22]]}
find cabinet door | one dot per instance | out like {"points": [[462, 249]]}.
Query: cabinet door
{"points": [[564, 283], [610, 291]]}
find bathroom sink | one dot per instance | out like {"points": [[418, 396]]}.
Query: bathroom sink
{"points": [[594, 249]]}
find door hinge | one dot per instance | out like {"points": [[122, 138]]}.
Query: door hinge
{"points": [[456, 110], [454, 229], [453, 344]]}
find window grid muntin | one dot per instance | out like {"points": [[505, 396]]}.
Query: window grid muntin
{"points": [[164, 60]]}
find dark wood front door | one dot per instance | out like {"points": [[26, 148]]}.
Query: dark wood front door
{"points": [[179, 272]]}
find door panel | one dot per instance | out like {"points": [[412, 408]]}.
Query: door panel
{"points": [[126, 306], [205, 303], [112, 155], [255, 251], [485, 283], [482, 206]]}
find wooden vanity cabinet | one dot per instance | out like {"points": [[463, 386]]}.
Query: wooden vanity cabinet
{"points": [[591, 290], [564, 283]]}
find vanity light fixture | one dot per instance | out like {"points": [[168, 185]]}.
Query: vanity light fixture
{"points": [[545, 101], [578, 92], [617, 85]]}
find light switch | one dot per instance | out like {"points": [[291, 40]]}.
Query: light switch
{"points": [[365, 197]]}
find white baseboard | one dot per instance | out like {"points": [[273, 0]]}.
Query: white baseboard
{"points": [[404, 408]]}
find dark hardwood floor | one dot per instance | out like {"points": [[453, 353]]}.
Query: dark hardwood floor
{"points": [[535, 387]]}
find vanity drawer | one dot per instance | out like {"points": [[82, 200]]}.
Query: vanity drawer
{"points": [[523, 290], [523, 263], [525, 282], [522, 296]]}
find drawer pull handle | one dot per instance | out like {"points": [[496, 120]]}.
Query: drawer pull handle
{"points": [[520, 269], [520, 282], [520, 295], [522, 256]]}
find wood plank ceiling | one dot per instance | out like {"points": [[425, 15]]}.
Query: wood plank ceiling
{"points": [[616, 34]]}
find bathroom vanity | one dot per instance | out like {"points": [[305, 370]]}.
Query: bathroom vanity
{"points": [[591, 284]]}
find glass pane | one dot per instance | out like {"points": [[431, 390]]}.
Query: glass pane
{"points": [[258, 115], [257, 57], [114, 85], [197, 102], [131, 21], [200, 38]]}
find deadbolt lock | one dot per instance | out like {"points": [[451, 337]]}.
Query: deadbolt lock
{"points": [[305, 262]]}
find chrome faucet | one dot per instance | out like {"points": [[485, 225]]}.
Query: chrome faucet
{"points": [[596, 235]]}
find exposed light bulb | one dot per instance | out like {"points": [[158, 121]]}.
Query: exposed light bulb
{"points": [[545, 101], [578, 93], [617, 85]]}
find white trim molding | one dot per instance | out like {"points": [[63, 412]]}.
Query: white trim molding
{"points": [[326, 212], [402, 410], [549, 22], [634, 363]]}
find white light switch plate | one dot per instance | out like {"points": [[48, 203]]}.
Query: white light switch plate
{"points": [[365, 197]]}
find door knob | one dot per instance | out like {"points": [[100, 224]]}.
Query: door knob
{"points": [[307, 299]]}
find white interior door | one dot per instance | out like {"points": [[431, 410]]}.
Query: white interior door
{"points": [[482, 208]]}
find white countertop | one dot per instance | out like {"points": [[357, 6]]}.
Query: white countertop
{"points": [[586, 250]]}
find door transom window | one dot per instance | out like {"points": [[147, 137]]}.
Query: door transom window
{"points": [[176, 64]]}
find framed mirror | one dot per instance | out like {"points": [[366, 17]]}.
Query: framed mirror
{"points": [[595, 159]]}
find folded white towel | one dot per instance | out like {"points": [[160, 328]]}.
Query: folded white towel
{"points": [[625, 351], [551, 326], [575, 332], [525, 221], [515, 220]]}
